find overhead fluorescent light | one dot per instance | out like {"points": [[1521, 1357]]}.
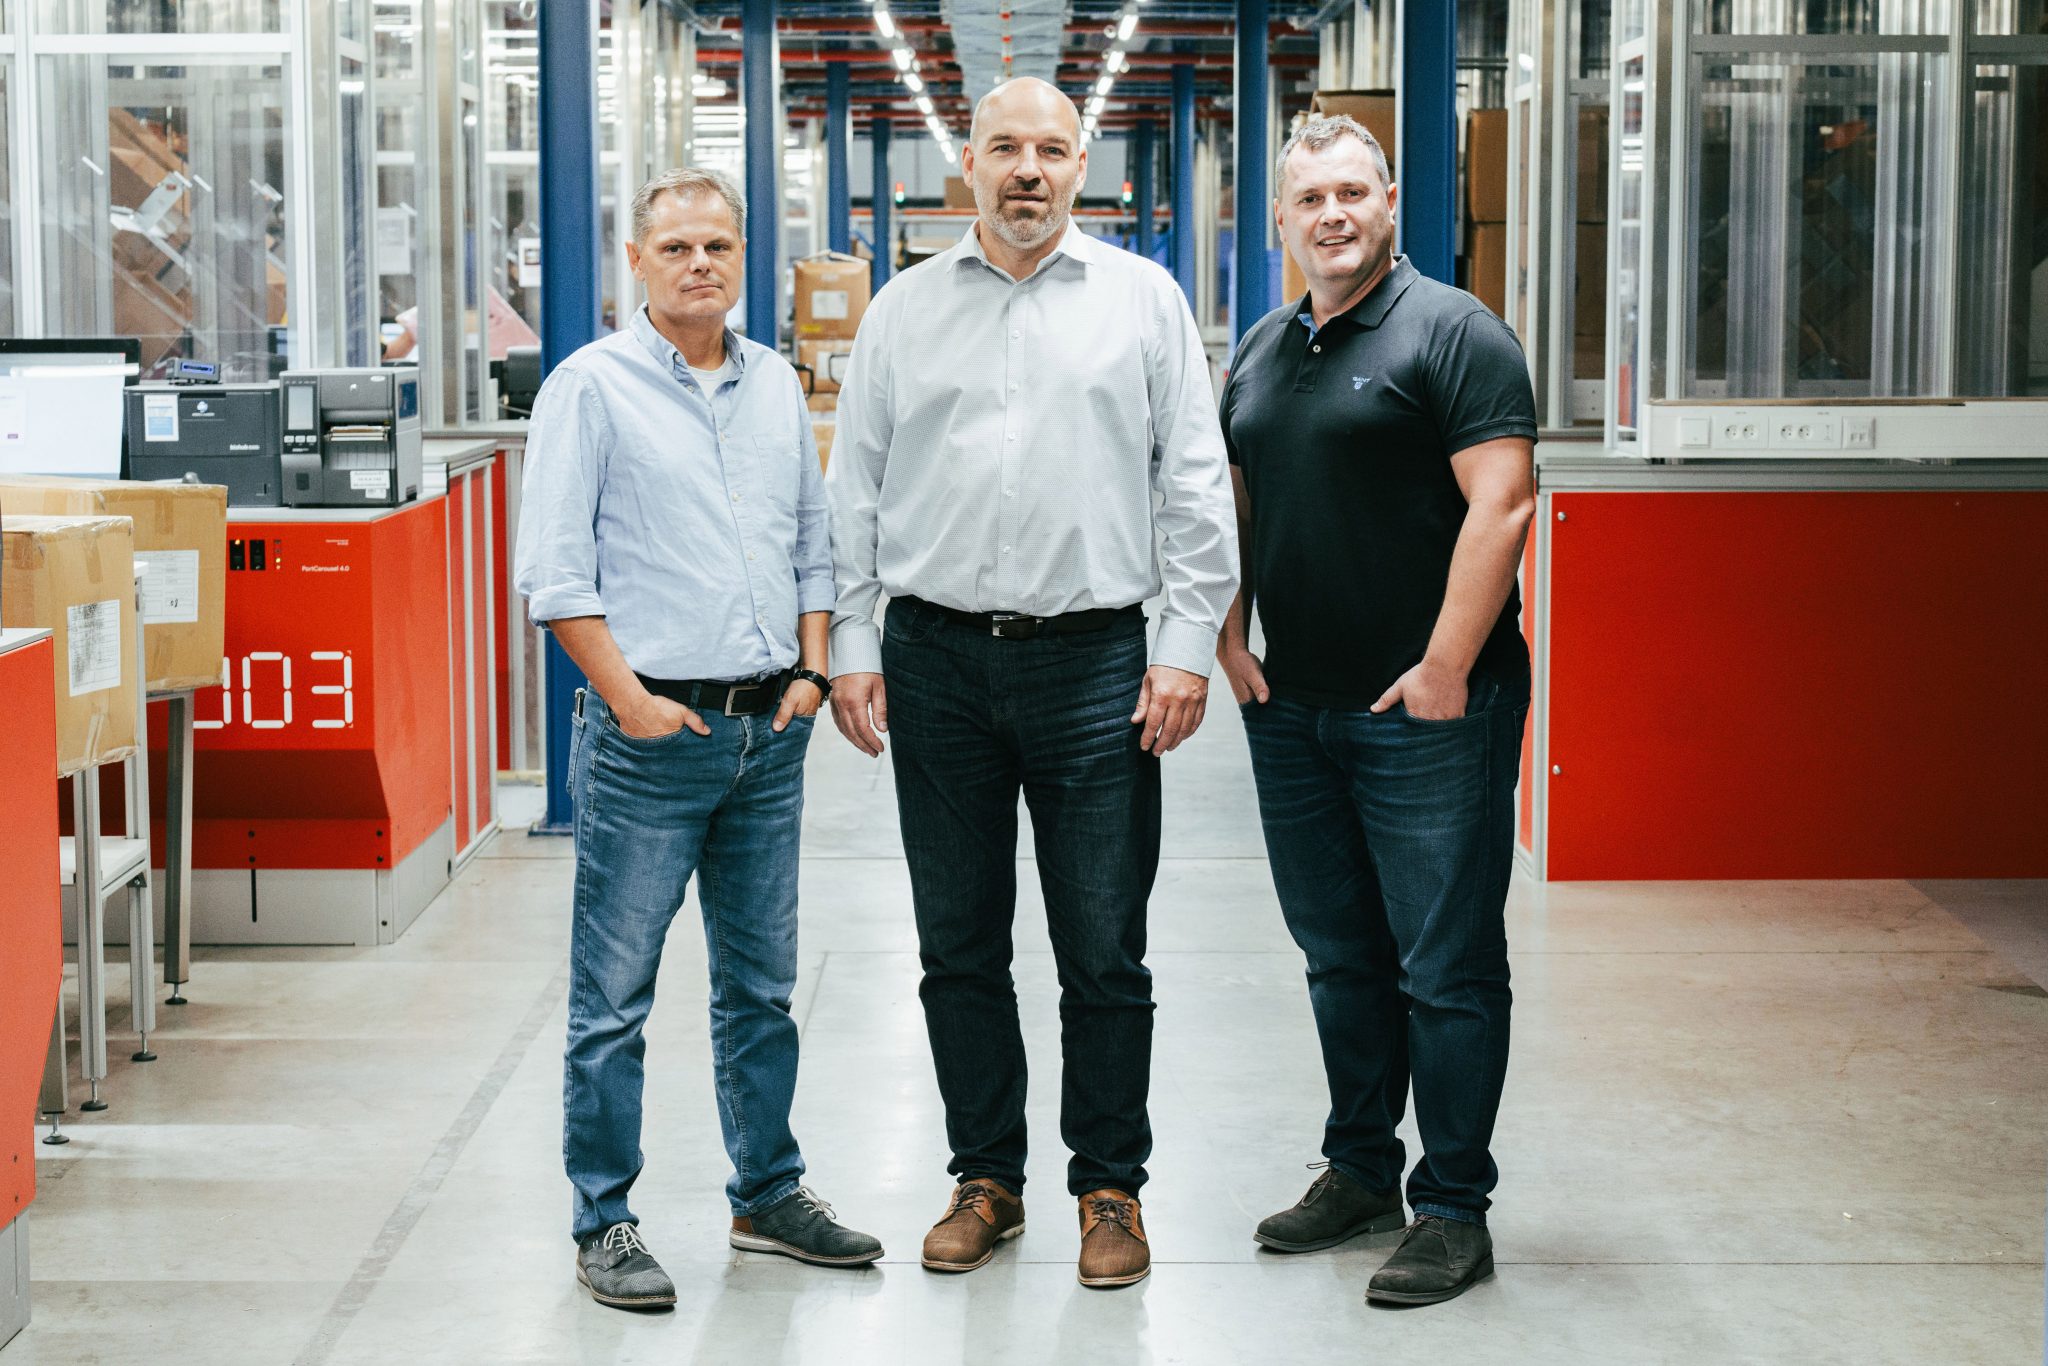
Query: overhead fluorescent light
{"points": [[924, 105], [901, 56], [914, 81], [884, 22], [1127, 26]]}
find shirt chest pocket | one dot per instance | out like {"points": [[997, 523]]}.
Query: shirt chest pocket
{"points": [[774, 468]]}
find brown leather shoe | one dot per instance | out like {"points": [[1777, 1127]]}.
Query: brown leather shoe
{"points": [[983, 1213], [1113, 1246]]}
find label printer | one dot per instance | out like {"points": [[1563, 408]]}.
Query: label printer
{"points": [[216, 433], [351, 438]]}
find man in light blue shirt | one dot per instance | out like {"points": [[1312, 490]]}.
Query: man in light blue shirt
{"points": [[673, 536]]}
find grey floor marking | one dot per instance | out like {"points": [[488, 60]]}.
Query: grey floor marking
{"points": [[398, 1227]]}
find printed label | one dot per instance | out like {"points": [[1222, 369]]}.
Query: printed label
{"points": [[95, 630], [159, 417], [830, 303], [170, 590], [371, 482]]}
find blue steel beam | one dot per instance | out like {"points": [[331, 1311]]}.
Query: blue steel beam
{"points": [[1141, 183], [764, 152], [884, 187], [1251, 204], [1428, 155], [569, 295], [838, 160], [1184, 180]]}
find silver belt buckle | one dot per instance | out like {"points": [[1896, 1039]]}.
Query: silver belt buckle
{"points": [[1001, 622], [732, 695]]}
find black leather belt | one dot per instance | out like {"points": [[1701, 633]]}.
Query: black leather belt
{"points": [[752, 697], [1018, 626]]}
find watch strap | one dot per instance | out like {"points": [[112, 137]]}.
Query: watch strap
{"points": [[814, 678]]}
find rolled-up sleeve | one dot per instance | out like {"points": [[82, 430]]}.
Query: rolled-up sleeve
{"points": [[860, 452], [1196, 518], [558, 500], [815, 591]]}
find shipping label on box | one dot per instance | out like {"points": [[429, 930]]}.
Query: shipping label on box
{"points": [[826, 360], [832, 293]]}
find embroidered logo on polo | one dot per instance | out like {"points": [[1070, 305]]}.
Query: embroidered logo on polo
{"points": [[1359, 382]]}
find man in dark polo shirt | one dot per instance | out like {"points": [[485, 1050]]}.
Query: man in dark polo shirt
{"points": [[1381, 433]]}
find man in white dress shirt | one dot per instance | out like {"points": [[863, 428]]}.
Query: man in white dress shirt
{"points": [[1028, 450]]}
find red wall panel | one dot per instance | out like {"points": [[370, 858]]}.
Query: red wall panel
{"points": [[1811, 684], [31, 947]]}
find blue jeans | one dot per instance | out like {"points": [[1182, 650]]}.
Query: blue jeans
{"points": [[976, 720], [649, 815], [1391, 841]]}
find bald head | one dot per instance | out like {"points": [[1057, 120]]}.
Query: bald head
{"points": [[1022, 100]]}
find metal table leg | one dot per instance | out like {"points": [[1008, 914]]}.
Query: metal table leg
{"points": [[92, 932], [142, 964], [55, 1098], [178, 846]]}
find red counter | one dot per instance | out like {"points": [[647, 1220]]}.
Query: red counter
{"points": [[31, 951]]}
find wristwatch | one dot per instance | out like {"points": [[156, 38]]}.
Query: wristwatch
{"points": [[814, 678]]}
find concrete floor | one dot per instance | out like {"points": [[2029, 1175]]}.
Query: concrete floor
{"points": [[1794, 1122]]}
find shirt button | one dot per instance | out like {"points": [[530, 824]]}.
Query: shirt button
{"points": [[1009, 493], [1006, 550], [1317, 347], [1013, 436], [750, 554], [1013, 386], [1015, 336]]}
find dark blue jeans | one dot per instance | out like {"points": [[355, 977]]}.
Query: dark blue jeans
{"points": [[1391, 841], [974, 721], [650, 814]]}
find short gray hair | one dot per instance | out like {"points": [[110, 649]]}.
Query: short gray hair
{"points": [[1318, 131], [687, 181]]}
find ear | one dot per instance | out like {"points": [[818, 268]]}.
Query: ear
{"points": [[1081, 181], [967, 164], [1393, 195], [633, 260]]}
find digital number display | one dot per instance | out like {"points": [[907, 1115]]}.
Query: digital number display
{"points": [[266, 692]]}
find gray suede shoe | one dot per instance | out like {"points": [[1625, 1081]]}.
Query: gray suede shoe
{"points": [[618, 1270], [1334, 1209], [1440, 1259], [801, 1226]]}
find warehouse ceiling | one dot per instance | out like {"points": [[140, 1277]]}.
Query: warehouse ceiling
{"points": [[951, 43]]}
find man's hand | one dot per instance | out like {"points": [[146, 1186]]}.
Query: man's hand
{"points": [[800, 698], [1245, 672], [1170, 707], [860, 708], [648, 717], [1430, 691]]}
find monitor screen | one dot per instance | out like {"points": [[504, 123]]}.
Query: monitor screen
{"points": [[61, 405], [298, 407]]}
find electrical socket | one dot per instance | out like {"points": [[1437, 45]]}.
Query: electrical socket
{"points": [[1740, 431], [1807, 432], [1859, 433]]}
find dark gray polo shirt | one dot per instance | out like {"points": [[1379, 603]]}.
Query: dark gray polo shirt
{"points": [[1345, 437]]}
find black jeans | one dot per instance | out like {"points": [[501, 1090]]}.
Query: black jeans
{"points": [[975, 720], [1391, 841]]}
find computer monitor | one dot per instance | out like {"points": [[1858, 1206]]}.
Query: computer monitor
{"points": [[61, 406]]}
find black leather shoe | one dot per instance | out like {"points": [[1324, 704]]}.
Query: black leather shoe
{"points": [[1439, 1260], [1334, 1209], [618, 1270]]}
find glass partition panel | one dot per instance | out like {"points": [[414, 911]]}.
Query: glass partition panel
{"points": [[164, 206], [8, 325], [2012, 16], [2002, 337], [1815, 225], [358, 266], [1627, 242], [1791, 17], [161, 16]]}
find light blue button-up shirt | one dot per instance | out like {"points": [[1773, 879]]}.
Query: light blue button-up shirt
{"points": [[694, 524]]}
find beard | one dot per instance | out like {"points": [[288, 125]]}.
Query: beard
{"points": [[1021, 227]]}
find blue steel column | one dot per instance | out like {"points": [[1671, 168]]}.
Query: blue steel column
{"points": [[764, 151], [884, 188], [568, 296], [1251, 202], [1427, 160], [1141, 184], [838, 159], [1184, 180]]}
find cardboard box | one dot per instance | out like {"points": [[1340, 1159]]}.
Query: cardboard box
{"points": [[76, 577], [826, 360], [959, 194], [823, 431], [832, 291], [823, 403], [1486, 166], [181, 534], [1592, 166], [1589, 357], [1589, 285], [1486, 265], [1373, 108], [1293, 284]]}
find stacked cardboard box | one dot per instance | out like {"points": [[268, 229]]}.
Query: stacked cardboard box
{"points": [[75, 576], [832, 292], [180, 533], [1373, 108], [826, 362], [1486, 207]]}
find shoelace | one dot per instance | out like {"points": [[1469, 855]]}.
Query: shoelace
{"points": [[1321, 1183], [625, 1238], [1111, 1211], [968, 1195], [815, 1204]]}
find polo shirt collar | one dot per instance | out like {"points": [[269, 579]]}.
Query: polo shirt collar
{"points": [[1074, 244], [1372, 310], [665, 353]]}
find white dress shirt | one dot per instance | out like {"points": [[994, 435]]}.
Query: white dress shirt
{"points": [[1040, 446]]}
